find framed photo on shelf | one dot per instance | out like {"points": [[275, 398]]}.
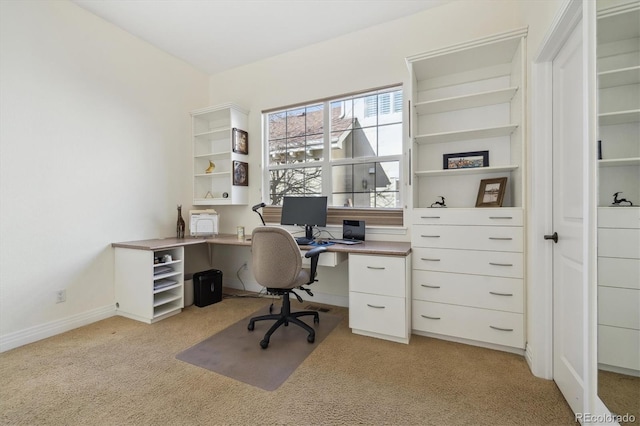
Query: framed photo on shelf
{"points": [[240, 141], [465, 160], [240, 173], [491, 192]]}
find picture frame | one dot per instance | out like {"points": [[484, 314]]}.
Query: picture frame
{"points": [[491, 192], [240, 141], [465, 160], [240, 173]]}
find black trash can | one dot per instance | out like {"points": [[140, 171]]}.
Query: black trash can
{"points": [[207, 287]]}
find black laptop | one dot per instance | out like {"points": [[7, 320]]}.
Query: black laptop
{"points": [[352, 232]]}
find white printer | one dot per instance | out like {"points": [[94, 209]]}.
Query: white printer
{"points": [[203, 223]]}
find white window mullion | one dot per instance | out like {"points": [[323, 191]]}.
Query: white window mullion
{"points": [[326, 162]]}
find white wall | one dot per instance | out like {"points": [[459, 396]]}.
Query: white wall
{"points": [[94, 148], [358, 61]]}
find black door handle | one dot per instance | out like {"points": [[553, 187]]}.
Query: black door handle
{"points": [[553, 237]]}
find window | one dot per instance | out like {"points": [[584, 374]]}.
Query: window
{"points": [[348, 148]]}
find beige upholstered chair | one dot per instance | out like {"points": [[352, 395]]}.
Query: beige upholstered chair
{"points": [[277, 265]]}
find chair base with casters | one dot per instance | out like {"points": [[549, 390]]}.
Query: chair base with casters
{"points": [[285, 317]]}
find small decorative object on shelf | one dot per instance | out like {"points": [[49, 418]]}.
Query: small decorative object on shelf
{"points": [[465, 160], [225, 195], [209, 195], [599, 150], [240, 141], [491, 192], [240, 173], [618, 201], [439, 203], [180, 224], [211, 167]]}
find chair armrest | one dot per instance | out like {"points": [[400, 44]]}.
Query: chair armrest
{"points": [[314, 253]]}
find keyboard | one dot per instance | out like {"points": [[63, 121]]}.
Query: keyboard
{"points": [[343, 241]]}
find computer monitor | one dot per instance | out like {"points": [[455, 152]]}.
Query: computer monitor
{"points": [[304, 211]]}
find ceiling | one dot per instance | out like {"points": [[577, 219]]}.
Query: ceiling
{"points": [[217, 35]]}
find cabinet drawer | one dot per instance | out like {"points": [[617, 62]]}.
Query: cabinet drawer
{"points": [[619, 347], [501, 328], [619, 242], [384, 275], [617, 272], [490, 217], [494, 238], [498, 293], [378, 314], [619, 217], [499, 264], [619, 307]]}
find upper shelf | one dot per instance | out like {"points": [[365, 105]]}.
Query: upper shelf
{"points": [[619, 77], [467, 171], [224, 130], [492, 97], [619, 117], [487, 132]]}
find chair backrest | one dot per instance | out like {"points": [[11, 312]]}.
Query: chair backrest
{"points": [[276, 259]]}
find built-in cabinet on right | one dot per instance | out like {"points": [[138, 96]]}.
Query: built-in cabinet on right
{"points": [[618, 64], [467, 180]]}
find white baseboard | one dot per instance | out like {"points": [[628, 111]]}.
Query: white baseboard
{"points": [[39, 332]]}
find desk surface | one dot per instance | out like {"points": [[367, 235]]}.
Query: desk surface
{"points": [[385, 248]]}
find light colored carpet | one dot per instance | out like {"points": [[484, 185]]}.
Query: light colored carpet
{"points": [[123, 372], [235, 351]]}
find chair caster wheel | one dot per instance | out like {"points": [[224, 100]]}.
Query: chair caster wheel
{"points": [[251, 326], [311, 338], [271, 308], [264, 344]]}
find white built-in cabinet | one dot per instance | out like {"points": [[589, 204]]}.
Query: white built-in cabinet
{"points": [[619, 289], [379, 302], [148, 286], [468, 262], [214, 130], [618, 64]]}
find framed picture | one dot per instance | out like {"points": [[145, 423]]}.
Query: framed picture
{"points": [[491, 192], [240, 141], [240, 173], [465, 160]]}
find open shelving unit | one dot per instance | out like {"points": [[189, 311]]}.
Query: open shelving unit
{"points": [[213, 129]]}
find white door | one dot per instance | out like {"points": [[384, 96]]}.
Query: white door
{"points": [[568, 221]]}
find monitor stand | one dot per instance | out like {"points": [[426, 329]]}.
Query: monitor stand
{"points": [[308, 232]]}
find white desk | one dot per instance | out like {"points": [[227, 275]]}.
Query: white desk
{"points": [[379, 282]]}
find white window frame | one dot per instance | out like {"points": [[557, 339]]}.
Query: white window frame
{"points": [[326, 163]]}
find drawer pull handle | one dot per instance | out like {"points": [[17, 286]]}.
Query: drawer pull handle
{"points": [[500, 294], [429, 217], [501, 329], [428, 317], [430, 260], [376, 267], [430, 236], [429, 286], [374, 306], [501, 238], [500, 264], [500, 217]]}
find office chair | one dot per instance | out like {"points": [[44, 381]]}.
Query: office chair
{"points": [[277, 265]]}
